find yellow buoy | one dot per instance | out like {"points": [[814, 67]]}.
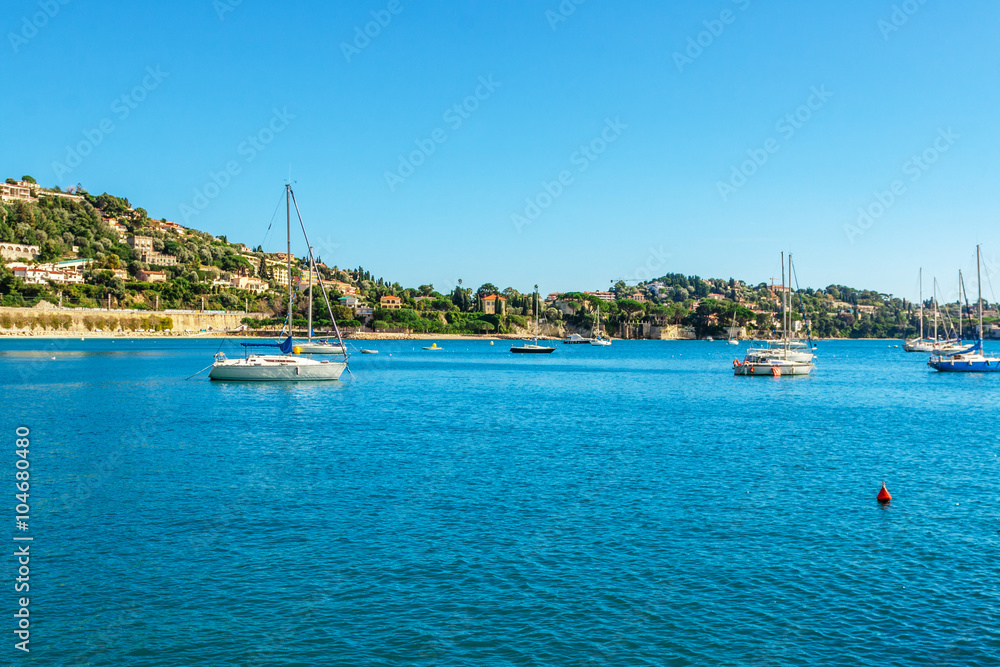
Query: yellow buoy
{"points": [[297, 350]]}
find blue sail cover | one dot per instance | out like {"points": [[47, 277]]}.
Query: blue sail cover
{"points": [[286, 347]]}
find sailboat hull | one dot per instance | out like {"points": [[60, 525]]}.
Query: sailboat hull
{"points": [[318, 348], [273, 368], [951, 365], [773, 369]]}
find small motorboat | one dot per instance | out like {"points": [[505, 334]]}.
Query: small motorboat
{"points": [[434, 346], [364, 351], [533, 346]]}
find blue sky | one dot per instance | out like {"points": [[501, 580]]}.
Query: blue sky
{"points": [[692, 137]]}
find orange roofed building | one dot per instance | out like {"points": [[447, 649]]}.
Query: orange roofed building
{"points": [[494, 305], [390, 302]]}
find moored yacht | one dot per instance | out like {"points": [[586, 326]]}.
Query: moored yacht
{"points": [[599, 340], [753, 364], [318, 346], [533, 347], [274, 367], [972, 359], [283, 366], [774, 358]]}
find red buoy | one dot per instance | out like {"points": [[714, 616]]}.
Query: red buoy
{"points": [[883, 495]]}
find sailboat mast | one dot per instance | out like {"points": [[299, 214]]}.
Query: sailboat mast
{"points": [[288, 237], [784, 328], [310, 294], [788, 302], [960, 305], [535, 305], [934, 301], [921, 303], [979, 285]]}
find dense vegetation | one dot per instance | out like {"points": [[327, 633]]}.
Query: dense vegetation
{"points": [[66, 228]]}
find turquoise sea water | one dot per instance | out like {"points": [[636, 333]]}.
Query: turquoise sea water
{"points": [[629, 505]]}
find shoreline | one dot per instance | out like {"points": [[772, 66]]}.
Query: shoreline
{"points": [[372, 335]]}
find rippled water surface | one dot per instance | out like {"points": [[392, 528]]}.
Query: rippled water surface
{"points": [[628, 505]]}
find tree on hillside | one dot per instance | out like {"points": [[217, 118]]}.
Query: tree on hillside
{"points": [[29, 179], [630, 307], [460, 297], [486, 289]]}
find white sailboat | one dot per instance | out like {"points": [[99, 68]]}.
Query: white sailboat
{"points": [[776, 361], [318, 345], [972, 359], [732, 328], [597, 339], [932, 345], [281, 366], [920, 344]]}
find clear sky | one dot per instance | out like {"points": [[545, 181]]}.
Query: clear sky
{"points": [[590, 141]]}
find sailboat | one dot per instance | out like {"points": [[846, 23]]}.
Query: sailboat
{"points": [[319, 345], [972, 359], [732, 328], [533, 347], [282, 366], [597, 339], [932, 345], [778, 360], [920, 344]]}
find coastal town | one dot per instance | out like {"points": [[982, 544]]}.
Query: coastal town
{"points": [[105, 265], [552, 333]]}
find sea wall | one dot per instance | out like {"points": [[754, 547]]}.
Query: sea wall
{"points": [[52, 319]]}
